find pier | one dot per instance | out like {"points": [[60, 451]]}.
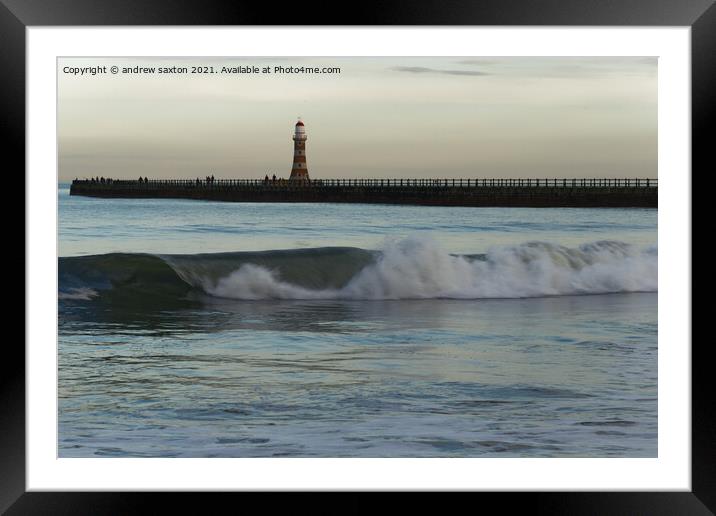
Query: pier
{"points": [[548, 193]]}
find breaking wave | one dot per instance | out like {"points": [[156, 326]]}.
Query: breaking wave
{"points": [[412, 268]]}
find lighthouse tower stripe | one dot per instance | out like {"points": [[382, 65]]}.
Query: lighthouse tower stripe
{"points": [[299, 170]]}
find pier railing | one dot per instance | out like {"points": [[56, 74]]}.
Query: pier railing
{"points": [[433, 192], [377, 183]]}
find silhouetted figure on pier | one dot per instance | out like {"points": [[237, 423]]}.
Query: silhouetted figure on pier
{"points": [[266, 179], [212, 178], [274, 178]]}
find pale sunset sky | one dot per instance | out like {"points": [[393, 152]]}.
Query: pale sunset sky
{"points": [[403, 117]]}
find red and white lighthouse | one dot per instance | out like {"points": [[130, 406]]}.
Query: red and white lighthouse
{"points": [[299, 171]]}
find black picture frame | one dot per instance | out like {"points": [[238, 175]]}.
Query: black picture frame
{"points": [[17, 15]]}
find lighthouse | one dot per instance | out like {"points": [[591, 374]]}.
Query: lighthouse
{"points": [[299, 171]]}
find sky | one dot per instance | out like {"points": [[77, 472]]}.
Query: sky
{"points": [[380, 117]]}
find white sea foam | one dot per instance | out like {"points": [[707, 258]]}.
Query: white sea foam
{"points": [[83, 293], [416, 268]]}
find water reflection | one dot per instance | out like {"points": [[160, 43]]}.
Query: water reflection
{"points": [[207, 314]]}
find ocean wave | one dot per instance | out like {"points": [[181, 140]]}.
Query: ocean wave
{"points": [[411, 268]]}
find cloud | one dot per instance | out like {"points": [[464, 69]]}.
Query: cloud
{"points": [[463, 72], [412, 69], [564, 67], [422, 69]]}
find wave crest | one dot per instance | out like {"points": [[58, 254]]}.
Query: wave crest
{"points": [[416, 268]]}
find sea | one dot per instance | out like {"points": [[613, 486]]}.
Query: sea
{"points": [[205, 329]]}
